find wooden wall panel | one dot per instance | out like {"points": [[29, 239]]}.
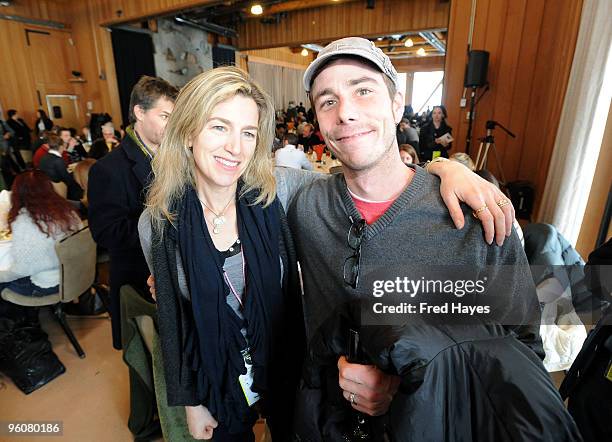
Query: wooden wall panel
{"points": [[419, 64], [280, 56], [328, 23], [531, 45], [95, 50], [132, 10], [53, 10], [37, 61], [17, 89]]}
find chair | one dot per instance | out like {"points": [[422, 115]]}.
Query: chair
{"points": [[77, 257], [26, 154], [60, 188]]}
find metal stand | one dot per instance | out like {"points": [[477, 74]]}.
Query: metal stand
{"points": [[468, 140], [488, 143]]}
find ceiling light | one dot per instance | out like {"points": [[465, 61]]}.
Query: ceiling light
{"points": [[421, 52], [256, 9], [409, 43], [304, 52]]}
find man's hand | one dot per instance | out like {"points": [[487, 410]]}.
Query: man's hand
{"points": [[200, 422], [373, 390], [151, 284], [458, 183]]}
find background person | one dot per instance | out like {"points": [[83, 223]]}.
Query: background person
{"points": [[432, 139], [38, 218], [408, 154], [116, 189], [290, 155]]}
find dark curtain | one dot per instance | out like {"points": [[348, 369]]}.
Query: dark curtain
{"points": [[223, 56], [133, 53]]}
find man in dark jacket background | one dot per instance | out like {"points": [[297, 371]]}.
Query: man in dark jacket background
{"points": [[117, 185]]}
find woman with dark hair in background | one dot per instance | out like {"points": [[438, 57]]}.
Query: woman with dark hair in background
{"points": [[43, 122], [38, 218], [433, 141]]}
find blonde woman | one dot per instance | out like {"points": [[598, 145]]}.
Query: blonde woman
{"points": [[217, 241], [225, 275]]}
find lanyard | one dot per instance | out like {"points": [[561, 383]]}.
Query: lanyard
{"points": [[231, 286], [140, 143]]}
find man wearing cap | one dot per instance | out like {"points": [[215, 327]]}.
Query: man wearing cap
{"points": [[380, 213]]}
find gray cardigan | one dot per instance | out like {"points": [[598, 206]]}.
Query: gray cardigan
{"points": [[174, 315]]}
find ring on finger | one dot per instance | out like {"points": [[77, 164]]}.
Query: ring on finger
{"points": [[503, 202], [476, 212], [352, 398]]}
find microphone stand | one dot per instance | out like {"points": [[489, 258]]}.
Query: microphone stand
{"points": [[486, 144]]}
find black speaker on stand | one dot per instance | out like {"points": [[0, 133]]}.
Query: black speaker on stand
{"points": [[475, 77]]}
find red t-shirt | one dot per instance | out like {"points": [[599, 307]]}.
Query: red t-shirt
{"points": [[371, 210]]}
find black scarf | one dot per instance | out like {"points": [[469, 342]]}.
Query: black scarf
{"points": [[219, 339]]}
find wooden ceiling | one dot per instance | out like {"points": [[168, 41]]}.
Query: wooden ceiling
{"points": [[230, 14]]}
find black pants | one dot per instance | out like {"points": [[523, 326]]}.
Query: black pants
{"points": [[221, 435]]}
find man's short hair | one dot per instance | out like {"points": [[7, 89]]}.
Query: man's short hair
{"points": [[54, 141], [291, 138], [147, 91], [11, 112], [281, 126], [62, 129]]}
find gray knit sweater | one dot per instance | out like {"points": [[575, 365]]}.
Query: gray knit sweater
{"points": [[415, 232]]}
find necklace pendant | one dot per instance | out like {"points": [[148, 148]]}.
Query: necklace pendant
{"points": [[216, 230], [219, 220]]}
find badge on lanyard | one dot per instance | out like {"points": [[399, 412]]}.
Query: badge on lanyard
{"points": [[246, 380], [608, 374]]}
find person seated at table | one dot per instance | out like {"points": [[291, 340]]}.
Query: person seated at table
{"points": [[98, 149], [52, 164], [290, 155], [308, 139], [108, 133], [73, 148], [38, 218], [279, 136], [408, 154], [406, 134]]}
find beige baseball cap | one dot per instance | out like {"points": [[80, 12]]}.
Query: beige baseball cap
{"points": [[354, 46]]}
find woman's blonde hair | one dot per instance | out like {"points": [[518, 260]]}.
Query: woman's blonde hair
{"points": [[173, 164], [463, 158]]}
